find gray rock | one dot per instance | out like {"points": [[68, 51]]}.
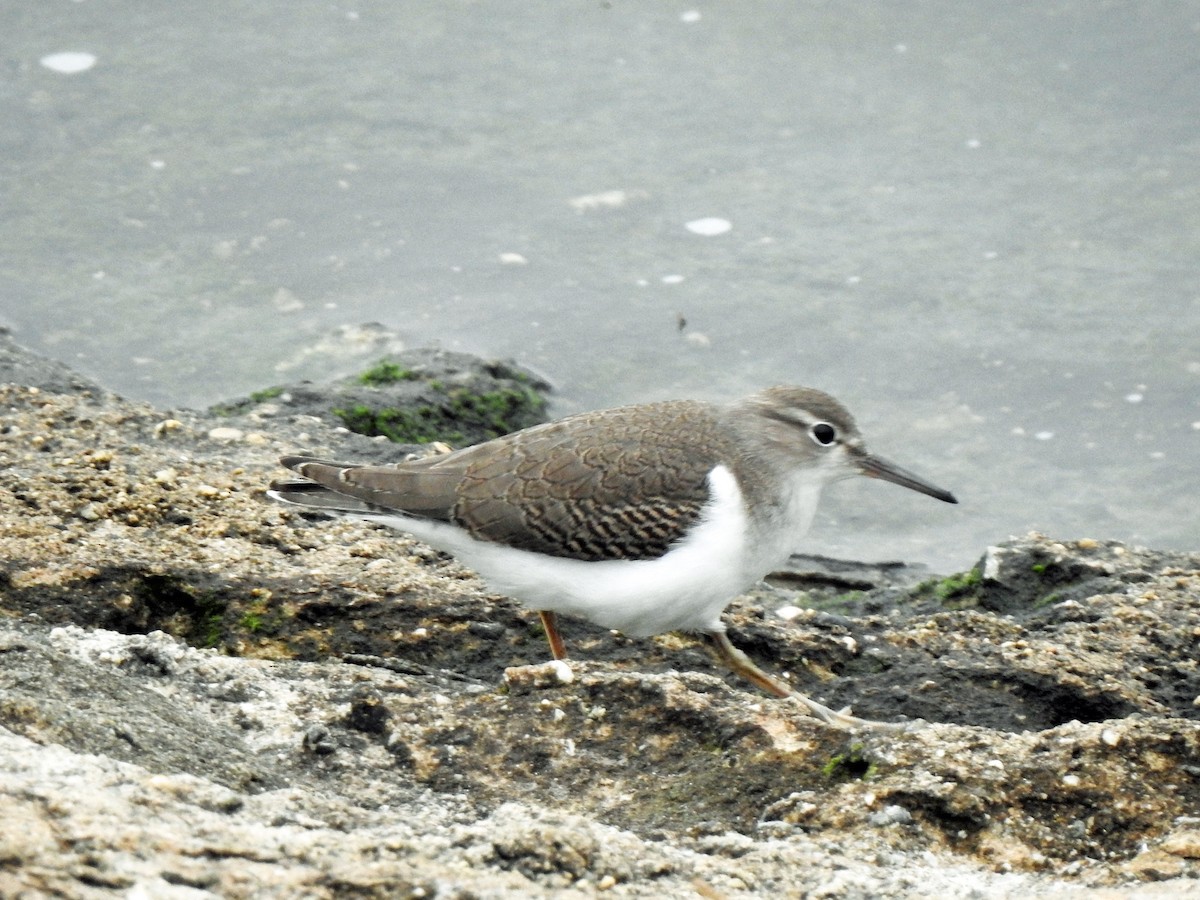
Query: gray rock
{"points": [[24, 367], [412, 397], [205, 695]]}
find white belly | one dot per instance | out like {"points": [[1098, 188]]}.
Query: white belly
{"points": [[686, 589]]}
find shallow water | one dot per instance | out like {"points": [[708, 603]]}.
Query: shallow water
{"points": [[977, 225]]}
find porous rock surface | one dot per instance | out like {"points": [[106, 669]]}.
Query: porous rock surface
{"points": [[205, 695]]}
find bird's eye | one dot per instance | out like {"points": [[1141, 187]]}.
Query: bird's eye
{"points": [[823, 433]]}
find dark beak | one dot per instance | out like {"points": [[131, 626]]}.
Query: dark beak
{"points": [[874, 467]]}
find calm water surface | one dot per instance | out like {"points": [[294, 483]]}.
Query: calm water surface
{"points": [[977, 224]]}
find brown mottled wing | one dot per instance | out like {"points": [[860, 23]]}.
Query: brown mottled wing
{"points": [[618, 484]]}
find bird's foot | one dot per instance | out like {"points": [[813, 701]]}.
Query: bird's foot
{"points": [[740, 663], [843, 719]]}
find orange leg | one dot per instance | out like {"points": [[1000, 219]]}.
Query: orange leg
{"points": [[550, 624], [740, 663]]}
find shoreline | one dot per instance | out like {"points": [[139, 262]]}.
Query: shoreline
{"points": [[202, 694]]}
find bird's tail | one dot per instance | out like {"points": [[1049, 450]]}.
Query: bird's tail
{"points": [[318, 498]]}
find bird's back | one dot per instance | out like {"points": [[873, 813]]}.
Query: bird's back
{"points": [[622, 483]]}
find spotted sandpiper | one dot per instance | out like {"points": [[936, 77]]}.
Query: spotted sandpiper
{"points": [[644, 519]]}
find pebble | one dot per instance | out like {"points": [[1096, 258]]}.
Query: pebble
{"points": [[68, 62], [890, 815], [544, 675], [1183, 843], [100, 459], [710, 226], [225, 433], [318, 740], [562, 671]]}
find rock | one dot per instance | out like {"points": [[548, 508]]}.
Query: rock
{"points": [[225, 434], [523, 679], [410, 397], [1184, 843], [23, 367], [204, 694]]}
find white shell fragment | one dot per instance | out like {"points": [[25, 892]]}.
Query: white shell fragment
{"points": [[709, 226], [68, 62]]}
